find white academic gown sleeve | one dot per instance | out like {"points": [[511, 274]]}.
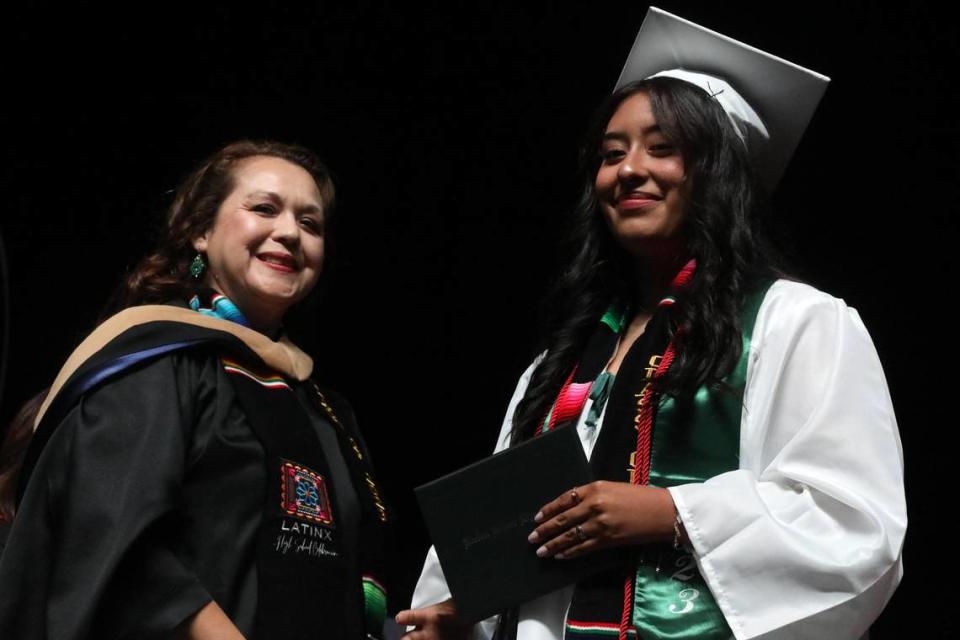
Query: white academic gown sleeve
{"points": [[804, 540], [432, 586]]}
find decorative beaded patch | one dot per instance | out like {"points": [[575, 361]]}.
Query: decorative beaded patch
{"points": [[303, 493]]}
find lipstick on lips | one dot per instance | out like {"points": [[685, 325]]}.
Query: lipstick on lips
{"points": [[637, 201], [279, 261]]}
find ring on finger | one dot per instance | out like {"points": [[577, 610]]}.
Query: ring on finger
{"points": [[581, 536], [575, 496]]}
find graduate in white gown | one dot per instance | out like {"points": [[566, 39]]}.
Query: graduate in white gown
{"points": [[739, 421]]}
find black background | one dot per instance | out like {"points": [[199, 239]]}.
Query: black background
{"points": [[453, 134]]}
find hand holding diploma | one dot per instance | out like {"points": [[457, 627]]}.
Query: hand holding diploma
{"points": [[603, 514]]}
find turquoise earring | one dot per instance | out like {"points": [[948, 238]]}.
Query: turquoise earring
{"points": [[198, 266]]}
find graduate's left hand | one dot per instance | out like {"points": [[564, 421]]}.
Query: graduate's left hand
{"points": [[609, 514]]}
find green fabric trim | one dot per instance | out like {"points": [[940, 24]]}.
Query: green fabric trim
{"points": [[546, 421], [375, 606], [615, 317], [599, 393], [694, 439], [697, 438]]}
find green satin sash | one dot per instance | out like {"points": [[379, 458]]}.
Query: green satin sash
{"points": [[694, 439]]}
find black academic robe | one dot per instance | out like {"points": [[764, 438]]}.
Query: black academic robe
{"points": [[144, 507]]}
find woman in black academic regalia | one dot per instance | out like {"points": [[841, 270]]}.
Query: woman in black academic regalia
{"points": [[186, 478]]}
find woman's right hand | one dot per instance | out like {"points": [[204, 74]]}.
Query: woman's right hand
{"points": [[436, 622]]}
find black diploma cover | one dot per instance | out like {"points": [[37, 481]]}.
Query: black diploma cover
{"points": [[480, 516]]}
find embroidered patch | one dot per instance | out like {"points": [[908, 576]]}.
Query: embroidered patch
{"points": [[303, 493]]}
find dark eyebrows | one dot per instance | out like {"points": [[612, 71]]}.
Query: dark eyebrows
{"points": [[613, 136], [271, 195], [310, 209], [306, 209], [622, 136]]}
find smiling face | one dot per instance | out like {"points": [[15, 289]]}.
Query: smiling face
{"points": [[265, 249], [640, 183]]}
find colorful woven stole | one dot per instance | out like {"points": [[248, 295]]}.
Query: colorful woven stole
{"points": [[600, 348], [659, 593]]}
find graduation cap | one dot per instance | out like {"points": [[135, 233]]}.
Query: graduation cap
{"points": [[769, 100]]}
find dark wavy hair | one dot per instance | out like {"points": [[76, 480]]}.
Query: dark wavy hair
{"points": [[13, 449], [164, 274], [723, 232]]}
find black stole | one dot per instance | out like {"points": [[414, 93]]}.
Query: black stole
{"points": [[301, 564], [600, 598]]}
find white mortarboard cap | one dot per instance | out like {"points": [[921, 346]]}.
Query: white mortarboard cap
{"points": [[769, 100]]}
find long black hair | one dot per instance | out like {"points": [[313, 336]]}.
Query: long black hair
{"points": [[723, 232]]}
